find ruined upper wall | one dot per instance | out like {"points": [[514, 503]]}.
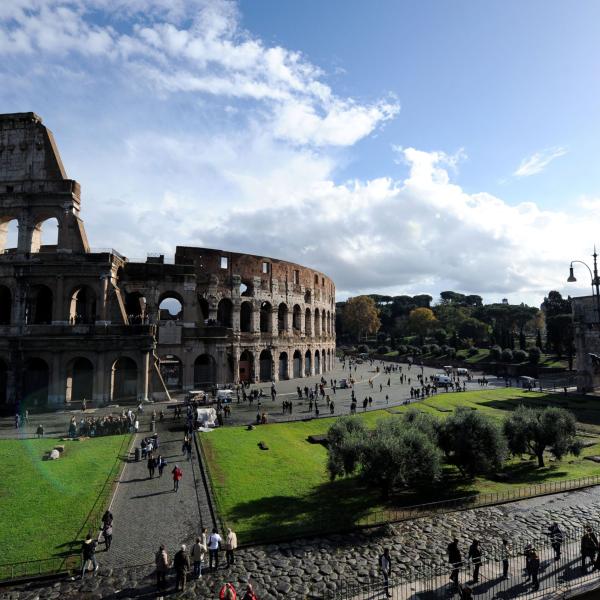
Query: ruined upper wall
{"points": [[27, 149]]}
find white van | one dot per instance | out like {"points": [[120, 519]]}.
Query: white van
{"points": [[224, 395], [462, 371], [441, 379]]}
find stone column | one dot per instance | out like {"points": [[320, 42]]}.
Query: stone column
{"points": [[145, 372], [99, 395], [274, 323], [256, 366], [255, 325], [59, 309], [235, 315]]}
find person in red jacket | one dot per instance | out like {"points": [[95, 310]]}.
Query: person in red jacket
{"points": [[177, 475], [227, 592]]}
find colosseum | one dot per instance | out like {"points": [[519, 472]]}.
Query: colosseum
{"points": [[83, 323]]}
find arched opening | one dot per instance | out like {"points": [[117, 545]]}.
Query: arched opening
{"points": [[246, 317], [36, 380], [205, 371], [317, 322], [170, 307], [203, 310], [307, 297], [246, 365], [283, 366], [265, 317], [266, 365], [80, 380], [5, 305], [124, 379], [307, 364], [317, 363], [307, 322], [82, 307], [3, 383], [38, 310], [171, 370], [246, 289], [135, 307], [45, 236], [296, 318], [328, 327], [282, 313], [9, 234], [323, 360], [224, 312], [328, 364], [297, 364]]}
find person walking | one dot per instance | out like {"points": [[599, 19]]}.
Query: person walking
{"points": [[214, 542], [475, 556], [230, 546], [385, 564], [534, 569], [249, 593], [227, 592], [151, 466], [161, 463], [505, 555], [589, 547], [197, 556], [177, 475], [181, 563], [556, 539], [161, 560], [40, 431], [107, 534], [455, 560], [88, 554]]}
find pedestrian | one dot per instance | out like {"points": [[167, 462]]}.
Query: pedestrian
{"points": [[197, 555], [249, 593], [475, 556], [161, 463], [227, 592], [181, 563], [214, 541], [230, 546], [40, 431], [534, 569], [455, 560], [177, 475], [465, 592], [107, 534], [385, 564], [162, 566], [556, 538], [589, 547], [151, 466], [88, 554], [505, 555]]}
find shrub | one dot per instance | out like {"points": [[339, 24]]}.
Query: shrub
{"points": [[472, 351], [507, 355], [362, 348], [402, 349], [383, 349], [535, 354], [425, 348], [496, 353], [434, 349], [450, 352], [520, 356]]}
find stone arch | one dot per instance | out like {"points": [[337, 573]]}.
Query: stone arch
{"points": [[82, 305], [205, 371], [135, 307], [170, 306], [307, 322], [79, 380], [317, 322], [124, 379], [324, 367], [38, 310], [317, 363], [5, 305], [45, 235], [246, 314], [307, 297], [246, 288], [203, 309], [246, 366], [3, 382], [283, 366], [171, 371], [225, 313], [266, 322], [265, 362], [307, 363], [282, 316], [297, 318], [36, 382], [9, 234], [297, 364]]}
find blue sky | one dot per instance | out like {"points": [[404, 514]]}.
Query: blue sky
{"points": [[401, 147]]}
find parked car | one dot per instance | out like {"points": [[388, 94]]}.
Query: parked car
{"points": [[344, 384]]}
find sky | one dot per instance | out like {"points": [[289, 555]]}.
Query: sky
{"points": [[401, 147]]}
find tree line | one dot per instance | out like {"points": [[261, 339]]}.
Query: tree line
{"points": [[410, 450]]}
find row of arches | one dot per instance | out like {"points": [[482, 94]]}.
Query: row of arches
{"points": [[45, 234]]}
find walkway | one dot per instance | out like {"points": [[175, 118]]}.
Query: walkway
{"points": [[147, 512]]}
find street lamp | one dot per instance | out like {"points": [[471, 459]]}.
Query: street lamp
{"points": [[594, 277]]}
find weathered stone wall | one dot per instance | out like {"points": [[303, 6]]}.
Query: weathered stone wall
{"points": [[587, 342]]}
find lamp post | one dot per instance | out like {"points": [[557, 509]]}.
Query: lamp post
{"points": [[593, 275]]}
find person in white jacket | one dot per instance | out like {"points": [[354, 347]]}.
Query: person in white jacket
{"points": [[230, 546]]}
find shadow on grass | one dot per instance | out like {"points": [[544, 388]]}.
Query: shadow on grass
{"points": [[528, 473]]}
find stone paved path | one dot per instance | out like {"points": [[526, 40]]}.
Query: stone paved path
{"points": [[147, 512]]}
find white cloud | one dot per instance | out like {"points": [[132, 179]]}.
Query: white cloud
{"points": [[538, 161]]}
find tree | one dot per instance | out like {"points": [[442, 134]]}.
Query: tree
{"points": [[345, 439], [534, 430], [473, 329], [534, 355], [421, 321], [472, 442], [360, 316]]}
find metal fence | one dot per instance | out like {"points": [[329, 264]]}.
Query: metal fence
{"points": [[71, 560], [555, 577]]}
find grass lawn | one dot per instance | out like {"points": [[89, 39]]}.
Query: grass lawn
{"points": [[45, 503], [285, 490]]}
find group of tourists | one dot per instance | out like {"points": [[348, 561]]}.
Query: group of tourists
{"points": [[106, 425]]}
